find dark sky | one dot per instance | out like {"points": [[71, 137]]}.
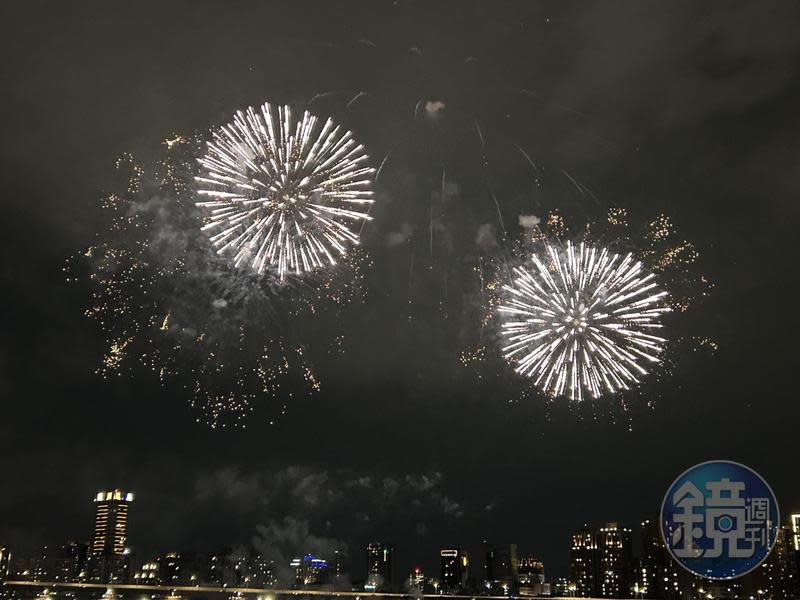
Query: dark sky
{"points": [[686, 108]]}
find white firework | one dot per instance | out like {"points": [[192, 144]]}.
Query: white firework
{"points": [[583, 319], [282, 195]]}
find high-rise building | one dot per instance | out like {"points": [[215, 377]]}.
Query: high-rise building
{"points": [[181, 568], [795, 525], [311, 571], [45, 565], [563, 588], [262, 572], [454, 570], [777, 577], [583, 563], [169, 569], [416, 580], [111, 522], [108, 552], [531, 577], [226, 568], [147, 574], [614, 561], [339, 563], [502, 576], [72, 563], [656, 574], [175, 569], [5, 562], [218, 571], [380, 566], [530, 569]]}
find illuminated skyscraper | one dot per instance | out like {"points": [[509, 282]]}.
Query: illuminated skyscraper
{"points": [[614, 561], [111, 522], [601, 562], [380, 566], [656, 574], [108, 552], [796, 531], [583, 563], [455, 570]]}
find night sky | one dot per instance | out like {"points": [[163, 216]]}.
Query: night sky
{"points": [[681, 108]]}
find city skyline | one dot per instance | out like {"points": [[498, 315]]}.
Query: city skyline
{"points": [[387, 393], [604, 562]]}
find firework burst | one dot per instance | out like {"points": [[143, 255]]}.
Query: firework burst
{"points": [[232, 343], [540, 255], [283, 195], [582, 320]]}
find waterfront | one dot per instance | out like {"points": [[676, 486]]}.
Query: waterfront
{"points": [[26, 590]]}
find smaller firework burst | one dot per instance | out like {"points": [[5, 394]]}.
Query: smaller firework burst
{"points": [[582, 320]]}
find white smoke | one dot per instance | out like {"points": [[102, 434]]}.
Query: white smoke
{"points": [[529, 221], [486, 238], [397, 238], [434, 107]]}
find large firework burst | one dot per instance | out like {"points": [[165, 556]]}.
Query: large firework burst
{"points": [[656, 242], [233, 343], [582, 319], [284, 195]]}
